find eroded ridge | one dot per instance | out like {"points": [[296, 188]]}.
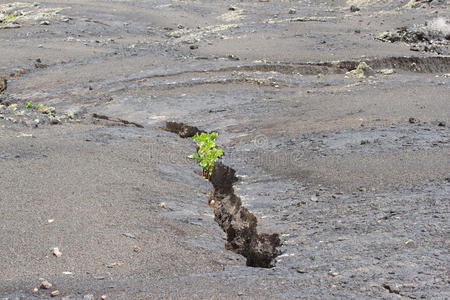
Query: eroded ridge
{"points": [[239, 224]]}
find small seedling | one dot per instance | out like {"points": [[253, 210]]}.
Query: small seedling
{"points": [[8, 18], [207, 152], [45, 109], [29, 104]]}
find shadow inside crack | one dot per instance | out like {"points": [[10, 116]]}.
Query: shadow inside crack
{"points": [[238, 223]]}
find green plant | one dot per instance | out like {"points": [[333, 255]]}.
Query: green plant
{"points": [[45, 109], [29, 104], [207, 152], [8, 18]]}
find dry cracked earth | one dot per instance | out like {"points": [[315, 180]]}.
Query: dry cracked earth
{"points": [[334, 116]]}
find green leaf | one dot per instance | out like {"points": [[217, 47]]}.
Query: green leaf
{"points": [[207, 153]]}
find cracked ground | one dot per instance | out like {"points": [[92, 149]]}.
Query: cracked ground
{"points": [[340, 142]]}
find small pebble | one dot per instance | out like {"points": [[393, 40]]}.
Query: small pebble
{"points": [[333, 274], [56, 252], [45, 285], [354, 8], [212, 203], [410, 244], [54, 293], [129, 235], [413, 120]]}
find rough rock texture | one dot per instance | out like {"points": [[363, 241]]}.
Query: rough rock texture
{"points": [[433, 36], [3, 85], [181, 129], [239, 224], [425, 3]]}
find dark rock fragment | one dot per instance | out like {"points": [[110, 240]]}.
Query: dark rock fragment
{"points": [[354, 8], [181, 129]]}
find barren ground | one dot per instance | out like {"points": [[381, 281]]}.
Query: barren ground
{"points": [[351, 169]]}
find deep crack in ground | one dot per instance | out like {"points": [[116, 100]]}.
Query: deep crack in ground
{"points": [[339, 141], [238, 223]]}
